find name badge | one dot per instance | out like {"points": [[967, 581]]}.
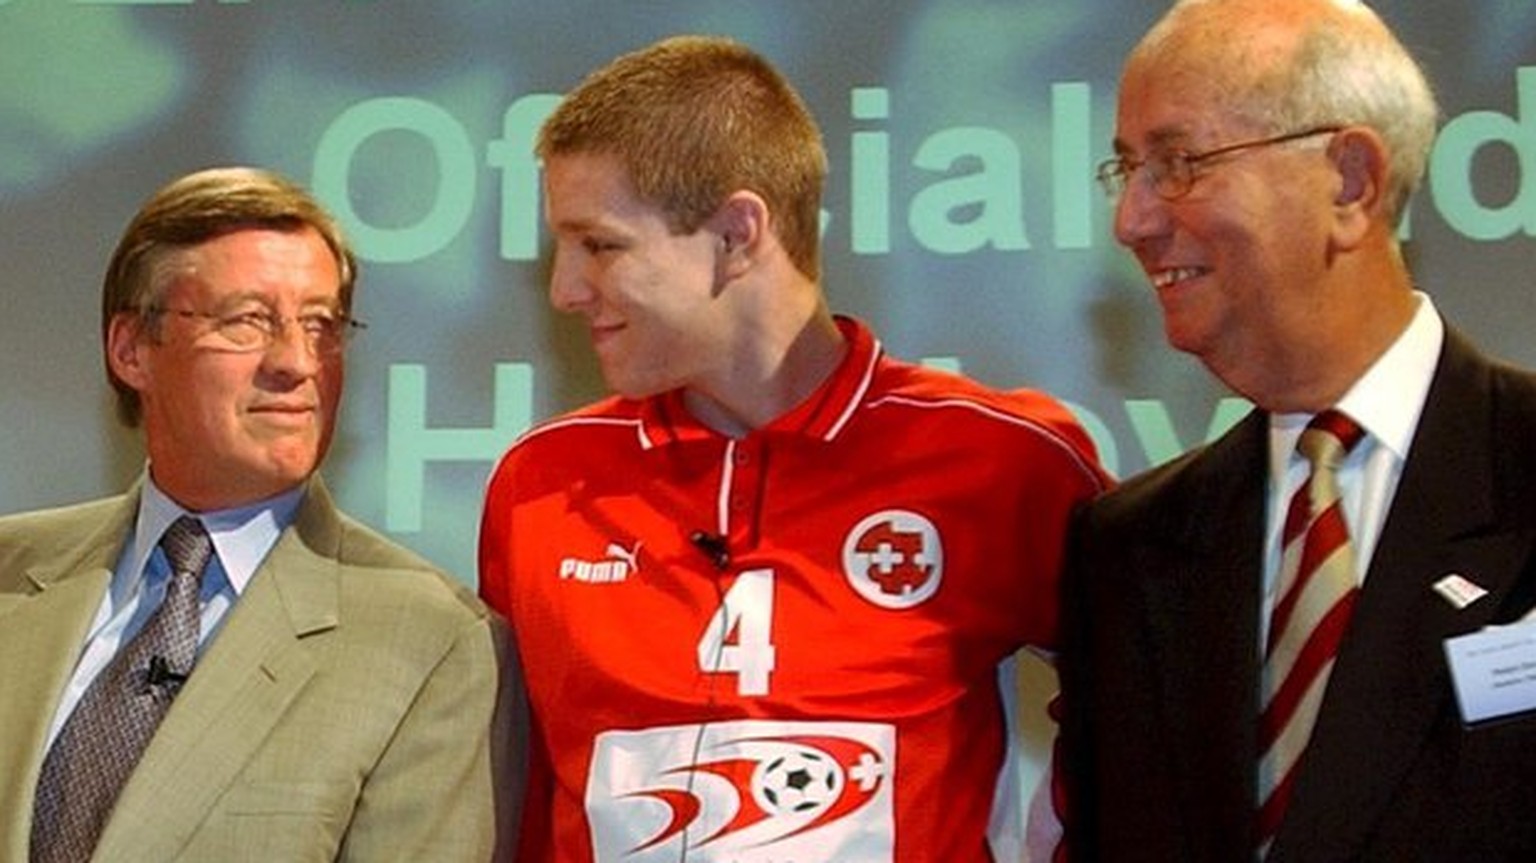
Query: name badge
{"points": [[1494, 671]]}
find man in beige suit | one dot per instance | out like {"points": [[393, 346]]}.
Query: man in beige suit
{"points": [[343, 700]]}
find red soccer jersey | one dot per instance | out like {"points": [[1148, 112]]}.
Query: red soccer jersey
{"points": [[782, 647]]}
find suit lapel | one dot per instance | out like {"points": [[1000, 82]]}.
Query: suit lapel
{"points": [[1390, 684], [255, 668], [1203, 602], [42, 629]]}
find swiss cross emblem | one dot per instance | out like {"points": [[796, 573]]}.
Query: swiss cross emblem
{"points": [[894, 558]]}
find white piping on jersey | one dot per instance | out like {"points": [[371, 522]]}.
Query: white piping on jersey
{"points": [[579, 421], [562, 422], [1044, 431], [552, 425], [858, 397], [522, 437], [723, 498]]}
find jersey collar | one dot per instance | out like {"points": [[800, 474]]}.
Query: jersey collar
{"points": [[822, 415]]}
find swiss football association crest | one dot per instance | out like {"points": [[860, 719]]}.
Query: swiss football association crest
{"points": [[894, 558]]}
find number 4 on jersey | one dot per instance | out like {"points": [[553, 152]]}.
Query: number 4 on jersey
{"points": [[739, 637]]}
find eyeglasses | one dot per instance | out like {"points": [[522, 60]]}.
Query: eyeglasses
{"points": [[324, 332], [1173, 171]]}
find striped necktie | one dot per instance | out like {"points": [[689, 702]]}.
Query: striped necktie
{"points": [[1318, 586], [102, 740]]}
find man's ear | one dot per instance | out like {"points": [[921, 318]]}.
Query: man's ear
{"points": [[741, 226], [127, 334], [1360, 157]]}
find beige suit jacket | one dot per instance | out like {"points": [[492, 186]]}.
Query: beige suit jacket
{"points": [[355, 705]]}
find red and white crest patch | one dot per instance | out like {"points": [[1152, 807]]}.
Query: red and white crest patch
{"points": [[894, 558]]}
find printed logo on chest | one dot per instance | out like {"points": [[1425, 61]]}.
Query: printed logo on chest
{"points": [[617, 565]]}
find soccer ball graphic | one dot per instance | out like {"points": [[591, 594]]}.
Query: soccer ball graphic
{"points": [[797, 782]]}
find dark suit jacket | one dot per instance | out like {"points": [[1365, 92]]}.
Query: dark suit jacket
{"points": [[1160, 665], [345, 711]]}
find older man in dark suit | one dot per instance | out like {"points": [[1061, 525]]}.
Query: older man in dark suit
{"points": [[1267, 641]]}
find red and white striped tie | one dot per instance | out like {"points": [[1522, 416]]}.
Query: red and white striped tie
{"points": [[1317, 593]]}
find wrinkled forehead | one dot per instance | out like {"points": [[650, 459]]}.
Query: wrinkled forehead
{"points": [[251, 264], [1226, 54], [1189, 91], [1172, 106]]}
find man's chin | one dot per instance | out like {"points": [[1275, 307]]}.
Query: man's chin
{"points": [[284, 470], [630, 388]]}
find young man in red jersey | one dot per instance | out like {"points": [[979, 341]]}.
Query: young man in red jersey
{"points": [[761, 594]]}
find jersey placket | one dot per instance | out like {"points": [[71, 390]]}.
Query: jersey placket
{"points": [[741, 493]]}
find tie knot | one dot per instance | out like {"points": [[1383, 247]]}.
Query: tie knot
{"points": [[1329, 437], [187, 545]]}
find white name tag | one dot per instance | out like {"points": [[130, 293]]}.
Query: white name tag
{"points": [[1494, 671]]}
